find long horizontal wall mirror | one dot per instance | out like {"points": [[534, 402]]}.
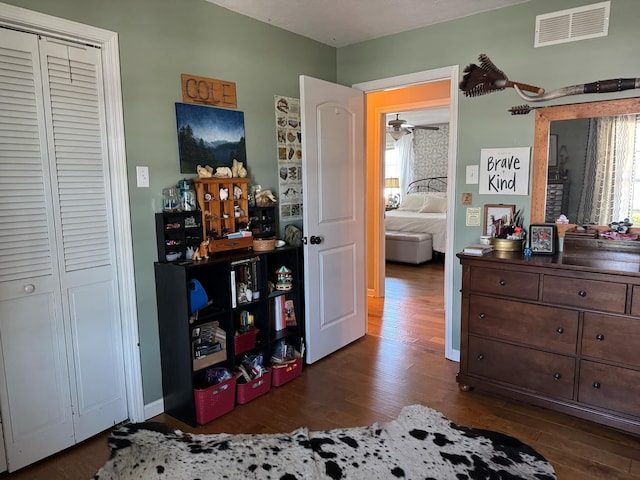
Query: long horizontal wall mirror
{"points": [[586, 163]]}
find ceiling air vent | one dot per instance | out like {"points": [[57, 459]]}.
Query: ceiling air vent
{"points": [[574, 24]]}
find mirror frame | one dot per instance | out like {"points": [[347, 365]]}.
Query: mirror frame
{"points": [[546, 115]]}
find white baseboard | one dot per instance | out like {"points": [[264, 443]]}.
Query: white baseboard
{"points": [[154, 408]]}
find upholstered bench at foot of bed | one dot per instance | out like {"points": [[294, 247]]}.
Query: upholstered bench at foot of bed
{"points": [[408, 247]]}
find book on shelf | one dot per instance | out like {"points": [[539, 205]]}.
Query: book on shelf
{"points": [[240, 234], [477, 249]]}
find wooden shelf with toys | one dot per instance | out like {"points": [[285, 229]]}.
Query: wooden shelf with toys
{"points": [[225, 212]]}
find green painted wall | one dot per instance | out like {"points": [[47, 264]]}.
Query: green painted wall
{"points": [[159, 40], [507, 36]]}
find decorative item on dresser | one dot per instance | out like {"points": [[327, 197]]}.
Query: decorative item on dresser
{"points": [[557, 331]]}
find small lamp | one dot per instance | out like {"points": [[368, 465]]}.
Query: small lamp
{"points": [[392, 183]]}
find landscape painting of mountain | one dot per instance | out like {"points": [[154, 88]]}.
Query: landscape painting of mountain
{"points": [[209, 136]]}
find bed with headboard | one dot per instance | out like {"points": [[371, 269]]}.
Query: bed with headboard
{"points": [[423, 209]]}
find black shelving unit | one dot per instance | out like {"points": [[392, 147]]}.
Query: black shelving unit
{"points": [[263, 221], [182, 372], [177, 231]]}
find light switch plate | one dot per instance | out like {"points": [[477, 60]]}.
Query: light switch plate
{"points": [[142, 176], [472, 174]]}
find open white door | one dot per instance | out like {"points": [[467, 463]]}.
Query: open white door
{"points": [[334, 183]]}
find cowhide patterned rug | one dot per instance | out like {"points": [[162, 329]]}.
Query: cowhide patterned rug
{"points": [[420, 444]]}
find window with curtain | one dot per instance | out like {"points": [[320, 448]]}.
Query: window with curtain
{"points": [[611, 186], [391, 174], [635, 213]]}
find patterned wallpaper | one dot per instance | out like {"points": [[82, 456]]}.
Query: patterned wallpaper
{"points": [[430, 149]]}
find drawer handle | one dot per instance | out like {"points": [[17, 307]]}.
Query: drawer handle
{"points": [[482, 315], [582, 293], [600, 337], [560, 330], [480, 356], [557, 376], [596, 385], [502, 283]]}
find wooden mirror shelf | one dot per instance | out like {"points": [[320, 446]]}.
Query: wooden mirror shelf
{"points": [[543, 119]]}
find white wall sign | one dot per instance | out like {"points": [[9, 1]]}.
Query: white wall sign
{"points": [[504, 171]]}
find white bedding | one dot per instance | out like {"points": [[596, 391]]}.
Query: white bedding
{"points": [[411, 221]]}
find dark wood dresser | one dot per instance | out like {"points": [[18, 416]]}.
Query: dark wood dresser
{"points": [[553, 333]]}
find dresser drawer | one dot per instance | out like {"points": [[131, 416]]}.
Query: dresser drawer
{"points": [[577, 292], [606, 386], [505, 283], [551, 328], [611, 338], [540, 372]]}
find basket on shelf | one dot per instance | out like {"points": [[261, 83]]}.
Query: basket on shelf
{"points": [[264, 244]]}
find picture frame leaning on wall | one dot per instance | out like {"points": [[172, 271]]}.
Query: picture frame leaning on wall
{"points": [[494, 212]]}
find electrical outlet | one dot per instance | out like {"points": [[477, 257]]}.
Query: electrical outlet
{"points": [[142, 175]]}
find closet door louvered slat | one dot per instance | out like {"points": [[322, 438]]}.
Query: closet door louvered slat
{"points": [[23, 201], [79, 162]]}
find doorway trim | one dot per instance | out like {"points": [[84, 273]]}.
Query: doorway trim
{"points": [[39, 23], [450, 73]]}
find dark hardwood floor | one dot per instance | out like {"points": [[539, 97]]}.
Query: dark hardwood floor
{"points": [[400, 362]]}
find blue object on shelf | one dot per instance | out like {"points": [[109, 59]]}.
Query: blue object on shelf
{"points": [[197, 296]]}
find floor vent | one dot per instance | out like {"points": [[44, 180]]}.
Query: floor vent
{"points": [[574, 24]]}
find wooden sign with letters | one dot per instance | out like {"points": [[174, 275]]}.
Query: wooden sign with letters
{"points": [[208, 91]]}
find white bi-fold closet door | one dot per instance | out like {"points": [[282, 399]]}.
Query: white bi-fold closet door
{"points": [[61, 359]]}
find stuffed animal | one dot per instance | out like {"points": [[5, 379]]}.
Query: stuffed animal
{"points": [[202, 251]]}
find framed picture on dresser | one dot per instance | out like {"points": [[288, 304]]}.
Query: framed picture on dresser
{"points": [[543, 239]]}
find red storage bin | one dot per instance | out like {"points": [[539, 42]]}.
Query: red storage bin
{"points": [[287, 372], [253, 389], [245, 341], [214, 401]]}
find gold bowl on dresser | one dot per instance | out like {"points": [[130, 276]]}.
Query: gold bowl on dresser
{"points": [[506, 245]]}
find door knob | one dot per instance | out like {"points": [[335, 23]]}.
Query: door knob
{"points": [[315, 240]]}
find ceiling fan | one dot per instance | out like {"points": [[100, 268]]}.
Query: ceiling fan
{"points": [[398, 127]]}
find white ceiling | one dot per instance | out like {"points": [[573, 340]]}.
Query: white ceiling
{"points": [[431, 116], [344, 22]]}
